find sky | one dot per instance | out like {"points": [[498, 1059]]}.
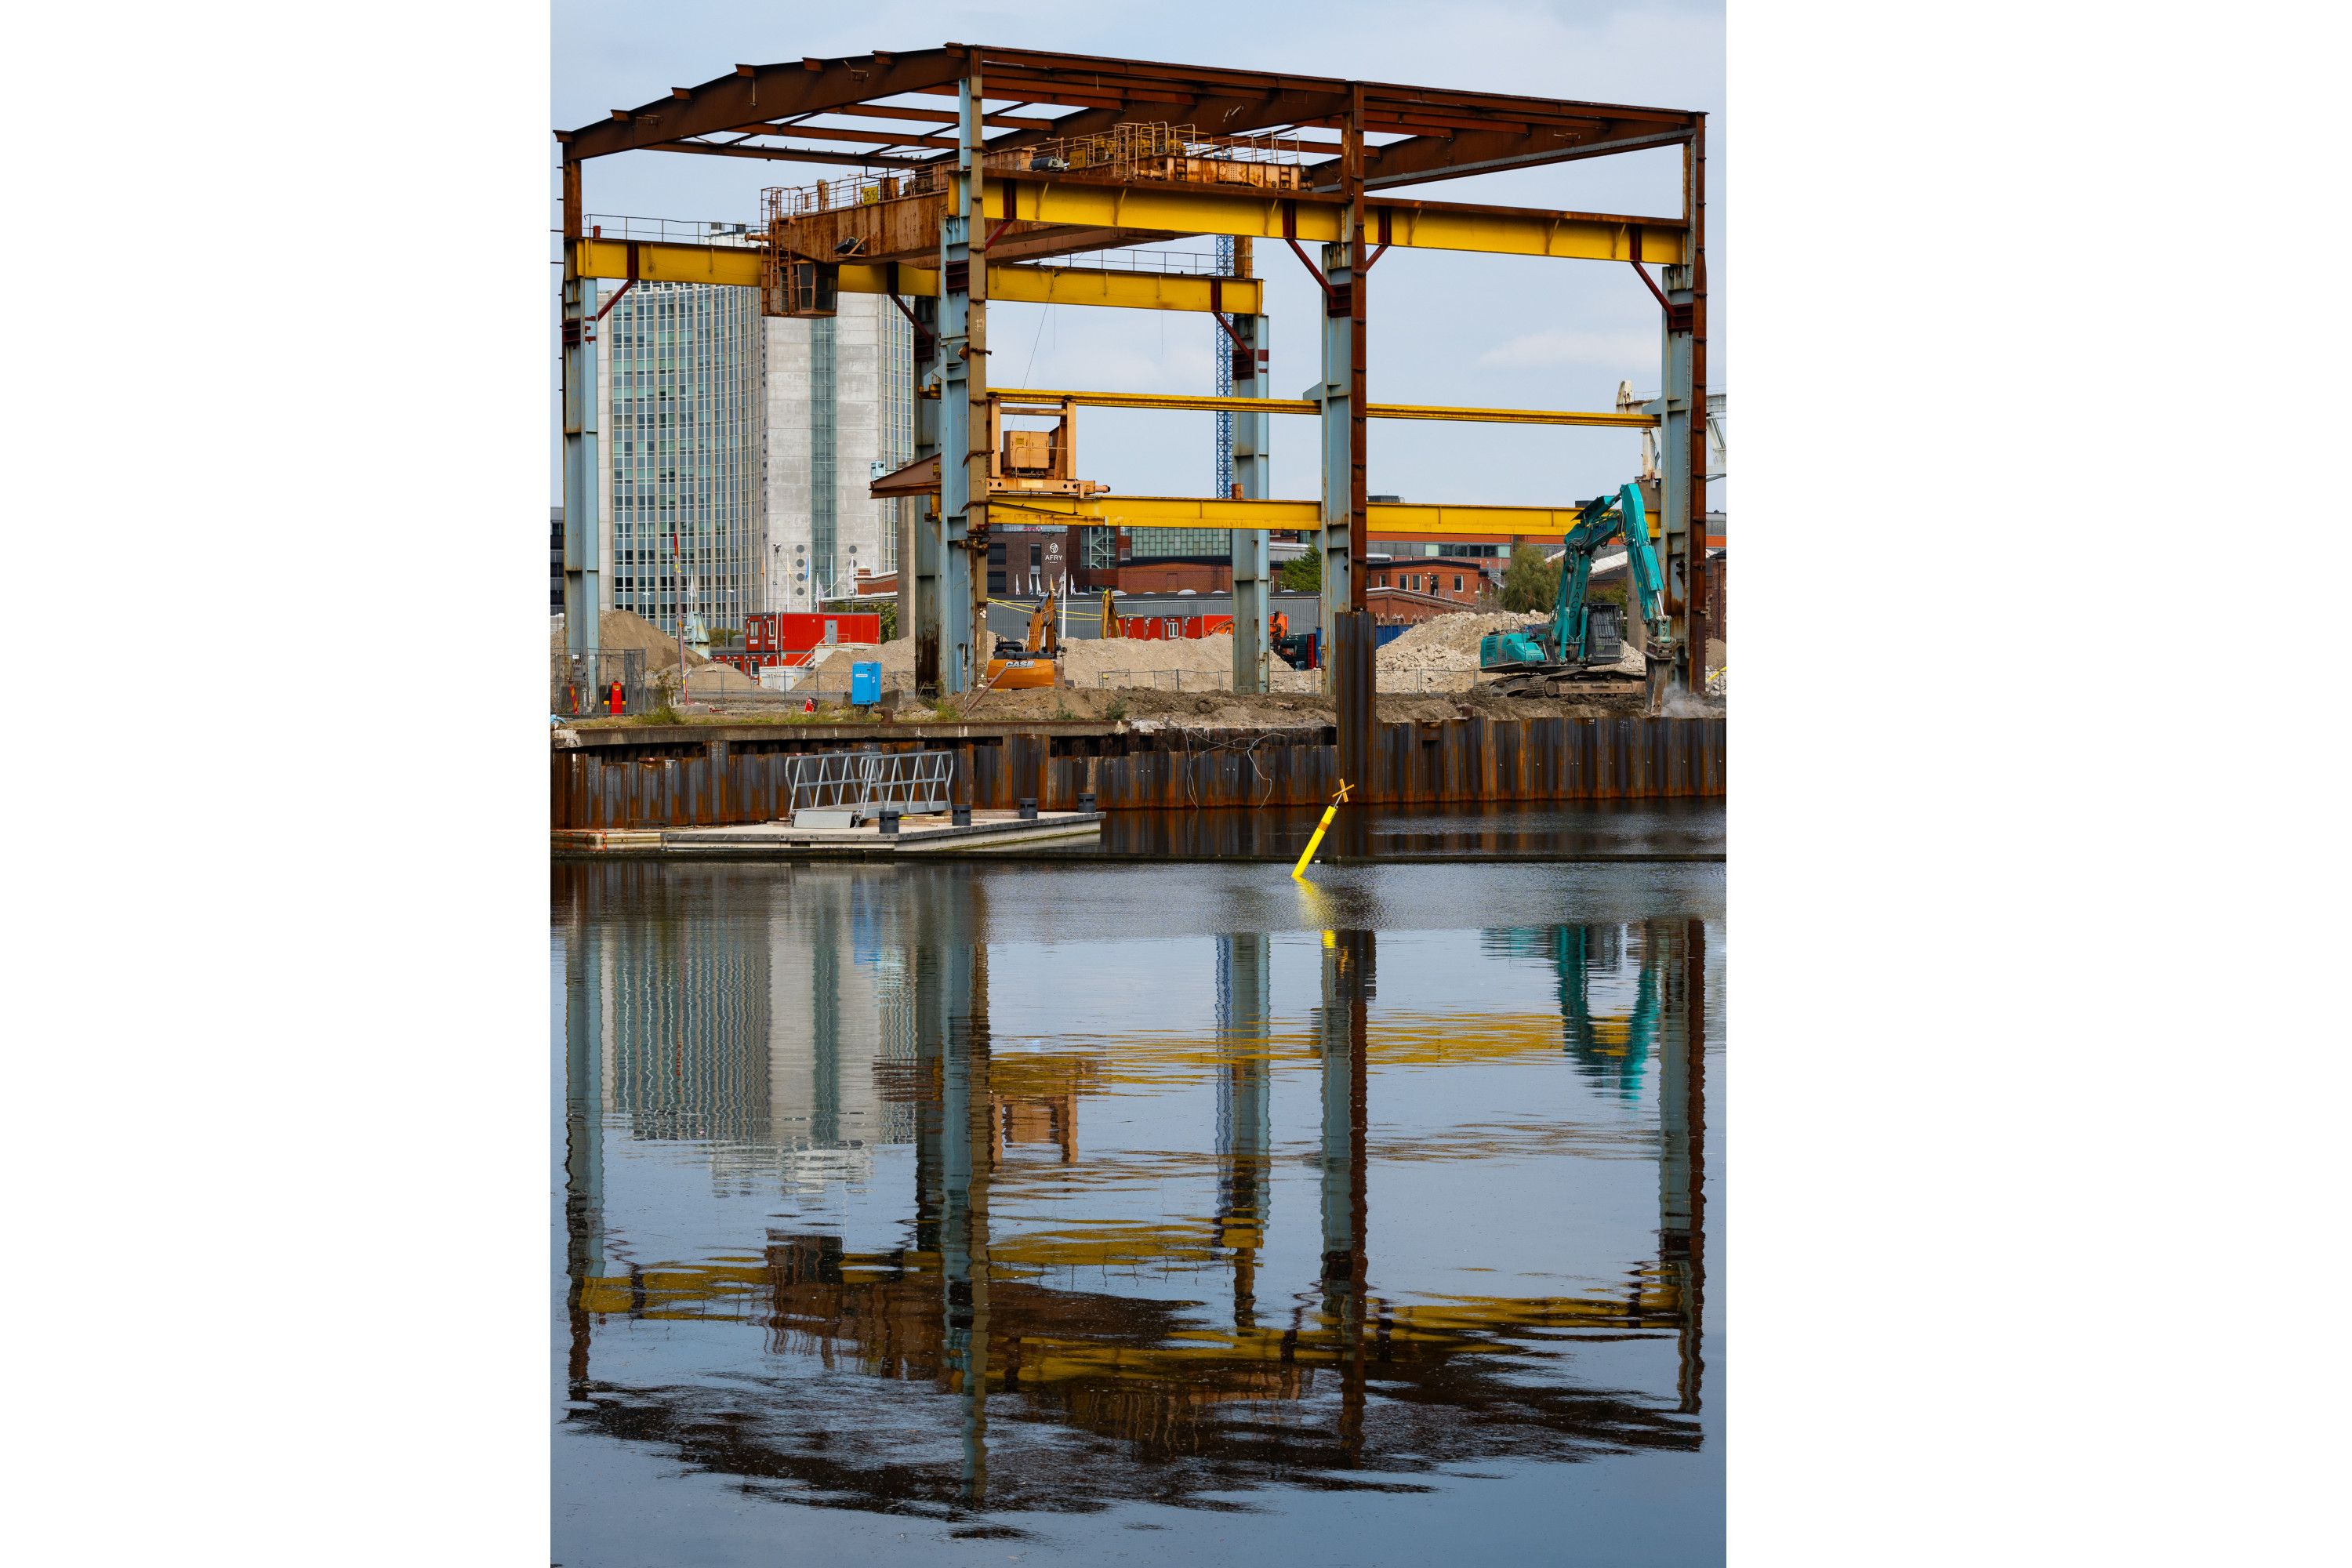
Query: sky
{"points": [[1444, 327]]}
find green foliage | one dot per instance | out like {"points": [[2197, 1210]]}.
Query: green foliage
{"points": [[1302, 574], [664, 714], [890, 613], [1116, 710], [1062, 711], [1530, 582]]}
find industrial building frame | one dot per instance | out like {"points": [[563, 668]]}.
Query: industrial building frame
{"points": [[958, 223]]}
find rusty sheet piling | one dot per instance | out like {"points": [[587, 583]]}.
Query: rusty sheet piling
{"points": [[676, 778]]}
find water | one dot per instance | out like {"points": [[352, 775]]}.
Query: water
{"points": [[1365, 1222]]}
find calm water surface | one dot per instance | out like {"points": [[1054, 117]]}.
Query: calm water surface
{"points": [[1118, 1212]]}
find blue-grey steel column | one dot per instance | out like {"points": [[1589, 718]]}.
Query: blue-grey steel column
{"points": [[1677, 422], [920, 580], [1252, 461], [964, 396], [583, 457], [1338, 467]]}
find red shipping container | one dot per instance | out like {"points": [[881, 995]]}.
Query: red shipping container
{"points": [[802, 630]]}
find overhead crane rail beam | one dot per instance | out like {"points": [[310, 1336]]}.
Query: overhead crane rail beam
{"points": [[1204, 511], [898, 226], [662, 261], [1609, 420]]}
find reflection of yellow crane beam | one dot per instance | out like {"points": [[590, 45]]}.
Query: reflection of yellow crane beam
{"points": [[1456, 1323], [733, 266]]}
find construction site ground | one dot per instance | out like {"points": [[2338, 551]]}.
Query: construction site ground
{"points": [[1196, 709]]}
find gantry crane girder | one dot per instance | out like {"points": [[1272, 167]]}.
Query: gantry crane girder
{"points": [[965, 153]]}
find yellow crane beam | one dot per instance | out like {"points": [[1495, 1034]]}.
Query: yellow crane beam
{"points": [[1013, 506], [1611, 420], [735, 266], [1254, 214]]}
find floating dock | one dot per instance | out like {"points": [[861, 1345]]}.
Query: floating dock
{"points": [[932, 833]]}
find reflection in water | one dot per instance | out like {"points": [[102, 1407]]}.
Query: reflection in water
{"points": [[1034, 1338]]}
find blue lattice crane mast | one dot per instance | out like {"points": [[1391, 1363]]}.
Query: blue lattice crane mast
{"points": [[1223, 359], [1541, 659]]}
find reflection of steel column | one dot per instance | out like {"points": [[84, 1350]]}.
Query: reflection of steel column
{"points": [[1341, 1027], [967, 1148], [583, 1148], [825, 939], [1245, 1108], [1682, 1165]]}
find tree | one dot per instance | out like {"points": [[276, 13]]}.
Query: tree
{"points": [[1302, 574], [1528, 583]]}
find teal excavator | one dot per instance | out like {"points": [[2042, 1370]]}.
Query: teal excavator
{"points": [[1542, 659]]}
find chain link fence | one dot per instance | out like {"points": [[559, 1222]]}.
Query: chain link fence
{"points": [[580, 685]]}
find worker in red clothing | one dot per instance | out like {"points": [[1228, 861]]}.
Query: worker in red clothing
{"points": [[613, 701]]}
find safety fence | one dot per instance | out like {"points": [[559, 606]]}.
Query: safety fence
{"points": [[581, 686], [863, 784]]}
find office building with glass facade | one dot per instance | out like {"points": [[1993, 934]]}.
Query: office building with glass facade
{"points": [[737, 449]]}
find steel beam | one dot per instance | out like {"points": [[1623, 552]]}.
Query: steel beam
{"points": [[1428, 225], [1252, 465], [1071, 202], [1610, 420], [1392, 518], [737, 267], [583, 457]]}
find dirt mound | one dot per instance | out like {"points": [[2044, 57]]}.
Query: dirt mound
{"points": [[625, 629]]}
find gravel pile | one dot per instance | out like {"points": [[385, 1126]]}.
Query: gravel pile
{"points": [[1446, 643]]}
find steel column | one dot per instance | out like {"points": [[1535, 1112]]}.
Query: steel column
{"points": [[1694, 612], [919, 564], [1253, 464], [962, 529], [582, 460], [1331, 396]]}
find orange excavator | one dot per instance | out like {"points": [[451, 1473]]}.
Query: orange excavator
{"points": [[1035, 661]]}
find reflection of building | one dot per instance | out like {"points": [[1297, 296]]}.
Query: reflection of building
{"points": [[739, 448], [770, 1036]]}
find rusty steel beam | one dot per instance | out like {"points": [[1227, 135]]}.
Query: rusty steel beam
{"points": [[1217, 100], [767, 92], [787, 154]]}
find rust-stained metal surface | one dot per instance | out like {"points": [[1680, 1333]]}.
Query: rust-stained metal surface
{"points": [[680, 778]]}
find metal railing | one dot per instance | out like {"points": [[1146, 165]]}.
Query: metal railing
{"points": [[860, 785], [670, 230]]}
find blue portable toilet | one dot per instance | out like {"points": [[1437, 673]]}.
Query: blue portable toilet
{"points": [[865, 683]]}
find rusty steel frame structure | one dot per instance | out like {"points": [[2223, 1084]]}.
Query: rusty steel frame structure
{"points": [[973, 220]]}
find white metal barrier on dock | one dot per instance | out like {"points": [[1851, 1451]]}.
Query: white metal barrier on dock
{"points": [[840, 789]]}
